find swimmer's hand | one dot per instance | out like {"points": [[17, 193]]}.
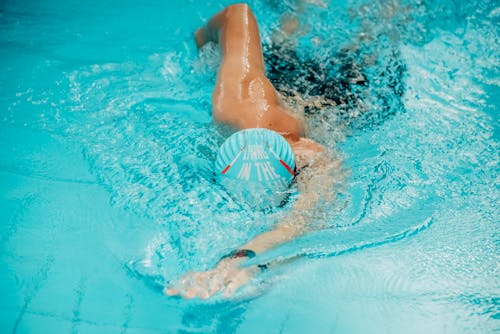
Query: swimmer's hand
{"points": [[225, 278]]}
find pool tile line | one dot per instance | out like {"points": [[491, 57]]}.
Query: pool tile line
{"points": [[80, 294], [39, 278], [45, 178], [127, 312], [21, 314], [96, 324], [15, 217]]}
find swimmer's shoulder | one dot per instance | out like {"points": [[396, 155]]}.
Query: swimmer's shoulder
{"points": [[306, 151], [306, 145]]}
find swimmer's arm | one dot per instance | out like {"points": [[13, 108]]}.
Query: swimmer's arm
{"points": [[235, 23], [294, 225], [236, 31], [317, 184], [210, 32]]}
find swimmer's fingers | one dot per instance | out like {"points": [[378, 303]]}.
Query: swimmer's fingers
{"points": [[201, 285], [197, 284], [217, 281], [206, 284], [214, 285], [181, 286], [240, 279], [173, 290], [170, 291]]}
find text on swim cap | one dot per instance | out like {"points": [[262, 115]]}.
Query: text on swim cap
{"points": [[256, 163], [255, 152], [244, 173], [265, 171]]}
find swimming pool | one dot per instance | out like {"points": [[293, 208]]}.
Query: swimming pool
{"points": [[106, 154]]}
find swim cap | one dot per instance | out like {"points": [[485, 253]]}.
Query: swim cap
{"points": [[256, 166]]}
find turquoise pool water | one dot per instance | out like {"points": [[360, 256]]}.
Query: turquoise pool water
{"points": [[106, 149]]}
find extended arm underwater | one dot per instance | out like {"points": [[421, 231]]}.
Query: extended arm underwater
{"points": [[315, 183]]}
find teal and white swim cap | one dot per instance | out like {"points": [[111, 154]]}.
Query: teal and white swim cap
{"points": [[256, 166]]}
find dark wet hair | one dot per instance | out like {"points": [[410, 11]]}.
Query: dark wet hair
{"points": [[341, 80]]}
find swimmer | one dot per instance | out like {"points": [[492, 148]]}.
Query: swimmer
{"points": [[245, 99]]}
